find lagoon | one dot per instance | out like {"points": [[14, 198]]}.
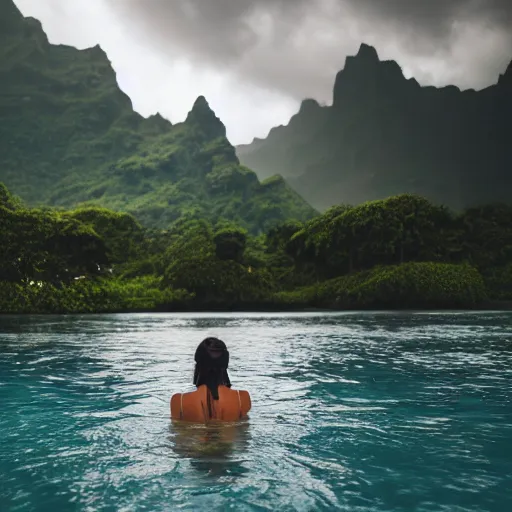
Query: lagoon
{"points": [[374, 412]]}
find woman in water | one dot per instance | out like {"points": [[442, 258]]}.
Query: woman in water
{"points": [[214, 400]]}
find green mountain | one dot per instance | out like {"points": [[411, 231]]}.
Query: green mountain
{"points": [[385, 135], [69, 136]]}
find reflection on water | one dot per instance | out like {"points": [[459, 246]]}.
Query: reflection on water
{"points": [[214, 448], [354, 412]]}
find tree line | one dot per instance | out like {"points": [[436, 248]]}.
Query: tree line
{"points": [[403, 251]]}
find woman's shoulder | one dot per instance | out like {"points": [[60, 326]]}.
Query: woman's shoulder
{"points": [[245, 398], [177, 398], [243, 393], [234, 391], [180, 402]]}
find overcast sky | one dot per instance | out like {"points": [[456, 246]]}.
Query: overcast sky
{"points": [[255, 60]]}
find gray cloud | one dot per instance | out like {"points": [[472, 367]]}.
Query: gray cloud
{"points": [[218, 29], [436, 16], [255, 60], [296, 46]]}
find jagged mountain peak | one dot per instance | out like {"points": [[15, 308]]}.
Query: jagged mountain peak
{"points": [[88, 146], [309, 105], [365, 72], [204, 118], [385, 134], [368, 53], [156, 123], [201, 103], [97, 50]]}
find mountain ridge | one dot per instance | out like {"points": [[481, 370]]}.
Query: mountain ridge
{"points": [[384, 134], [69, 136], [505, 75]]}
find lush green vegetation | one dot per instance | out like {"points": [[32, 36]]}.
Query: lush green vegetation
{"points": [[90, 296], [122, 213], [408, 286], [402, 252], [69, 137]]}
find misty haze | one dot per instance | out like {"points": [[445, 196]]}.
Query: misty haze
{"points": [[255, 255]]}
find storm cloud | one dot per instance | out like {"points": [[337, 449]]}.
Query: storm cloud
{"points": [[255, 60], [293, 46]]}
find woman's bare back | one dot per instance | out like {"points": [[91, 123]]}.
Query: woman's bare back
{"points": [[200, 407]]}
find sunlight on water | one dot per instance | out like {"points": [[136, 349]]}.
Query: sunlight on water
{"points": [[355, 412]]}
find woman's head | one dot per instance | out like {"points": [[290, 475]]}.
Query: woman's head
{"points": [[212, 360]]}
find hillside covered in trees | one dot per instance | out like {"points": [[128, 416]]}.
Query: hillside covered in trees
{"points": [[103, 210], [69, 136], [402, 252], [386, 135]]}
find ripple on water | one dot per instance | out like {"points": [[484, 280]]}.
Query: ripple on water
{"points": [[356, 412]]}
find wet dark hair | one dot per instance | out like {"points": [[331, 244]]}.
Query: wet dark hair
{"points": [[212, 360]]}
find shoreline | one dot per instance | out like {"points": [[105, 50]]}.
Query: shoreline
{"points": [[488, 306]]}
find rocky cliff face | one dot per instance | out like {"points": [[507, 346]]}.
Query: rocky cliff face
{"points": [[69, 135], [385, 135]]}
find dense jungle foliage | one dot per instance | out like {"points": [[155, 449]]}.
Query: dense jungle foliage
{"points": [[401, 252], [123, 213], [69, 136]]}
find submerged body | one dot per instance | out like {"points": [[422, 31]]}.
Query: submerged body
{"points": [[200, 407]]}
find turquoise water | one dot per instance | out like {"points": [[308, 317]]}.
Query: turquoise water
{"points": [[355, 412]]}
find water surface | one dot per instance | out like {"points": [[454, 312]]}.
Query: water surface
{"points": [[356, 412]]}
